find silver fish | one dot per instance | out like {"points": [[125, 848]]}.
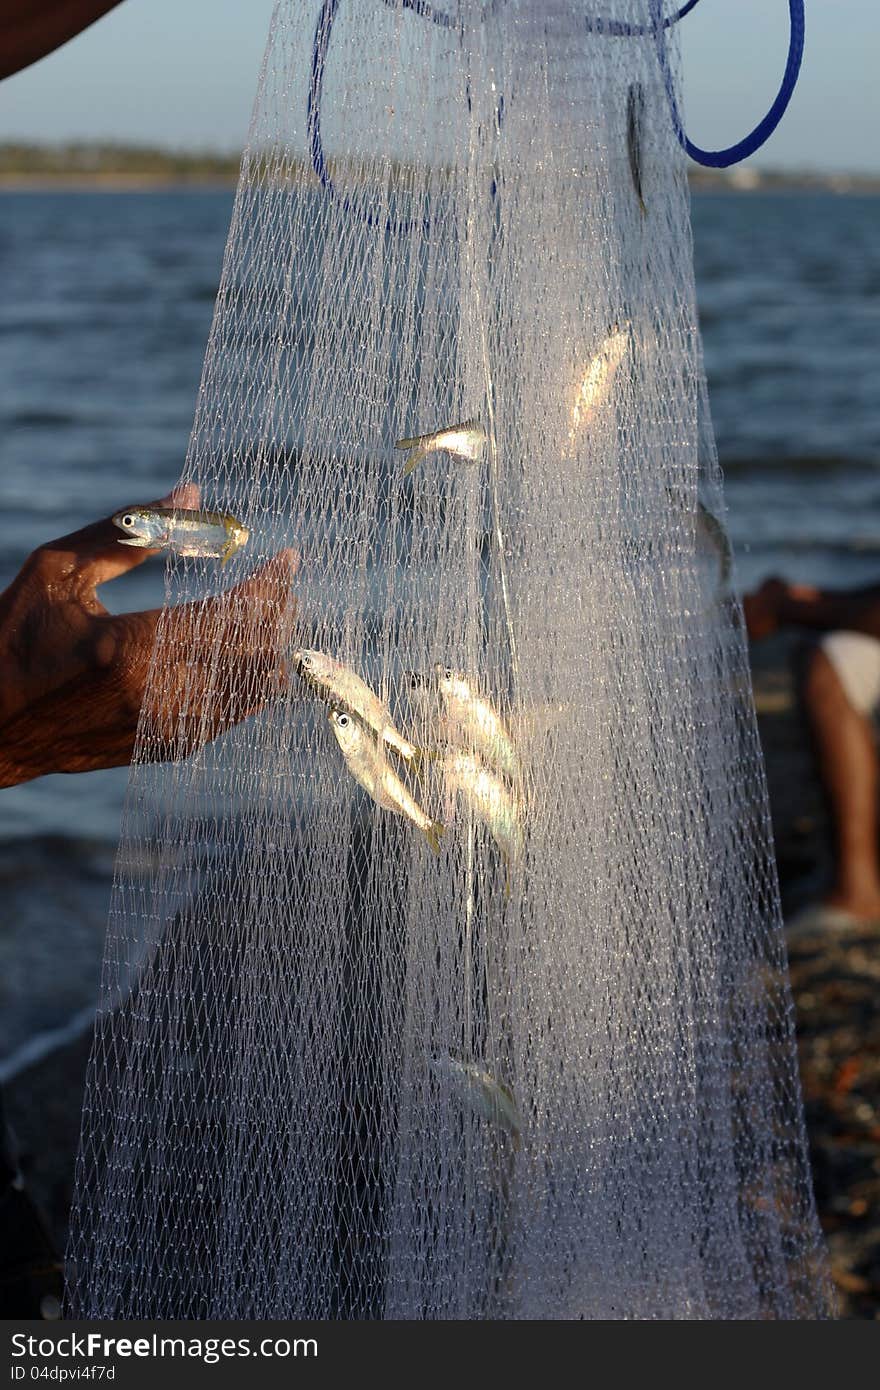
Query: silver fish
{"points": [[212, 535], [368, 765], [347, 688], [635, 110], [598, 378], [465, 441], [476, 723], [490, 1099], [714, 529], [491, 802]]}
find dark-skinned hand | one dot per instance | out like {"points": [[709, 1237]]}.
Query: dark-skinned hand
{"points": [[778, 603], [74, 676], [29, 29], [761, 608]]}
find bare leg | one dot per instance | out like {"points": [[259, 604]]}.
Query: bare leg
{"points": [[848, 765]]}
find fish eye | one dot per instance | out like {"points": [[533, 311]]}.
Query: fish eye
{"points": [[306, 659], [128, 520], [343, 720]]}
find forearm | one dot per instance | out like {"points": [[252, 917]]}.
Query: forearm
{"points": [[29, 29], [856, 610], [73, 676]]}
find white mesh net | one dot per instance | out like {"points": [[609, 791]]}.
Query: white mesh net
{"points": [[542, 1064]]}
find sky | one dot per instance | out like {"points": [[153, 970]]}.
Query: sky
{"points": [[183, 73]]}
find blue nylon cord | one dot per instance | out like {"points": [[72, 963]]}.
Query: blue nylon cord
{"points": [[722, 159], [323, 31], [614, 27], [713, 159], [619, 29], [426, 11], [320, 48]]}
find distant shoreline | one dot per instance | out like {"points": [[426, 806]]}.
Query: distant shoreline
{"points": [[166, 183], [84, 166], [111, 183], [134, 183]]}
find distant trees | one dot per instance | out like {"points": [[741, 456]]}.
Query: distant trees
{"points": [[95, 162]]}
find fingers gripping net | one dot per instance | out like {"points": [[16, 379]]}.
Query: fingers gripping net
{"points": [[538, 1063]]}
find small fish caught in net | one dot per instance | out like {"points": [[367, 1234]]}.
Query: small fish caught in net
{"points": [[450, 983]]}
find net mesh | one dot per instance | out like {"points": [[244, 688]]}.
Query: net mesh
{"points": [[542, 1064]]}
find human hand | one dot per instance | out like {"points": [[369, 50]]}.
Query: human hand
{"points": [[762, 608], [75, 675], [29, 29], [777, 604]]}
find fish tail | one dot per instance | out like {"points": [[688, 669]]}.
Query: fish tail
{"points": [[507, 882], [433, 834], [417, 453], [421, 756]]}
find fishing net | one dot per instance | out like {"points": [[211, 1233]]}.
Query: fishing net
{"points": [[538, 1063]]}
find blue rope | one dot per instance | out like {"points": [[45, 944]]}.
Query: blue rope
{"points": [[722, 159], [714, 159], [422, 8], [313, 108], [615, 27], [426, 11], [619, 29], [323, 31]]}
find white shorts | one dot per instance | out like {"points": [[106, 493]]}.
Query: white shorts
{"points": [[856, 659]]}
